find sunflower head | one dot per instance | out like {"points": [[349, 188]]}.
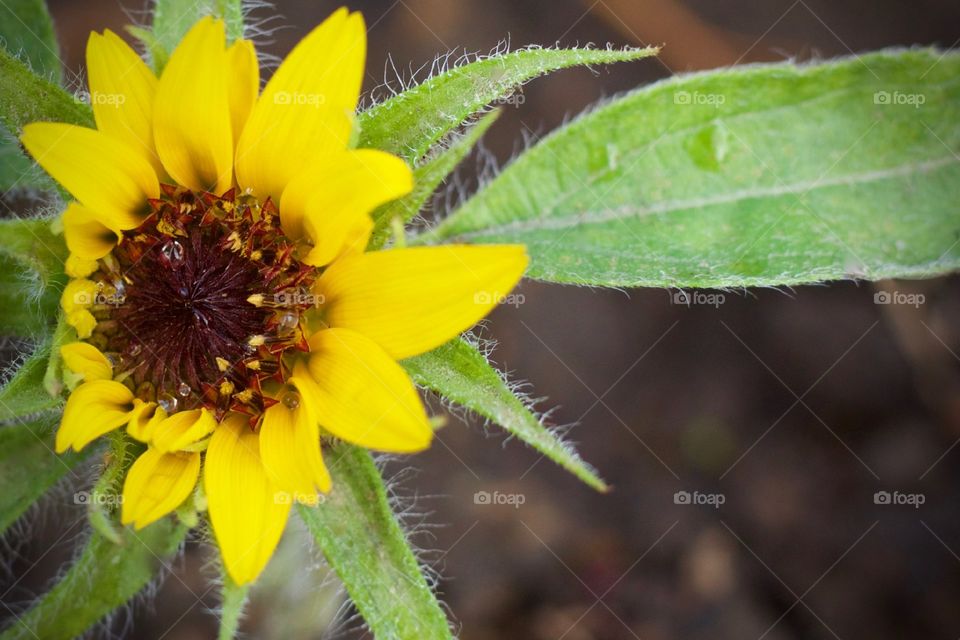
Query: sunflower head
{"points": [[226, 313]]}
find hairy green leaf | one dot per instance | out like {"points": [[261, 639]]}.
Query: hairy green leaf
{"points": [[409, 123], [764, 175], [24, 393], [26, 97], [29, 466], [31, 276], [427, 177], [26, 31], [173, 18], [28, 305], [17, 171], [365, 546], [460, 373], [104, 577]]}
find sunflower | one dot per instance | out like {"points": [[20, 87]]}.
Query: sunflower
{"points": [[225, 309]]}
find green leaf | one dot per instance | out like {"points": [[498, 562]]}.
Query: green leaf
{"points": [[26, 30], [763, 175], [366, 547], [104, 577], [173, 18], [460, 373], [31, 276], [26, 97], [426, 178], [33, 243], [24, 393], [28, 306], [410, 123], [17, 171], [29, 466]]}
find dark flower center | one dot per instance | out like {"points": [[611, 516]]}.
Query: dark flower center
{"points": [[199, 303]]}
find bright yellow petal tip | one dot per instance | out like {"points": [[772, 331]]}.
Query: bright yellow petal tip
{"points": [[156, 484], [122, 91], [410, 301], [191, 123], [183, 429], [306, 110], [248, 511], [363, 396], [86, 361], [93, 409], [103, 173]]}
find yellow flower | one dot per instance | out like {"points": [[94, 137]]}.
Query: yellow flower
{"points": [[229, 317]]}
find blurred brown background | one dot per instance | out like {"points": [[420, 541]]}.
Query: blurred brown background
{"points": [[793, 408]]}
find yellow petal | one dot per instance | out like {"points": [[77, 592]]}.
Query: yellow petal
{"points": [[144, 419], [363, 396], [86, 235], [101, 172], [335, 196], [77, 267], [191, 120], [290, 444], [247, 510], [83, 321], [156, 484], [244, 83], [78, 295], [93, 409], [122, 91], [183, 429], [85, 360], [306, 109], [413, 300]]}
